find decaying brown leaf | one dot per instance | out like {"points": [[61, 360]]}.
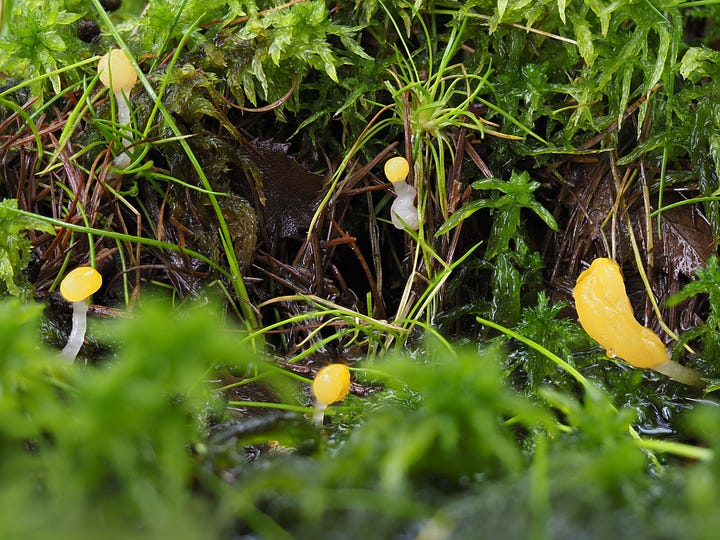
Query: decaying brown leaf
{"points": [[683, 243], [687, 242], [287, 192]]}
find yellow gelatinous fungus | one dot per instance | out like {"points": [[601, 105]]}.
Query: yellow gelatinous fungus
{"points": [[117, 73], [331, 384], [403, 211], [605, 313], [76, 287]]}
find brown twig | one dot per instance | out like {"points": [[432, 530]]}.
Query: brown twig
{"points": [[377, 299]]}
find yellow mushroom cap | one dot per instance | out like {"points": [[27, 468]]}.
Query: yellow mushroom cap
{"points": [[117, 65], [397, 169], [605, 313], [80, 283], [331, 384]]}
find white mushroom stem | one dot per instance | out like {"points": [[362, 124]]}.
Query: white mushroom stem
{"points": [[123, 110], [679, 373], [319, 413], [77, 333], [403, 211], [117, 72]]}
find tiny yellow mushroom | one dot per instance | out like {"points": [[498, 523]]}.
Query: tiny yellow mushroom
{"points": [[397, 169], [117, 73], [331, 384], [605, 313], [76, 287], [403, 211]]}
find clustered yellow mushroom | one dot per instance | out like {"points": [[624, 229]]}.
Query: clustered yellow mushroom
{"points": [[331, 384], [605, 313], [403, 211], [117, 73], [77, 286]]}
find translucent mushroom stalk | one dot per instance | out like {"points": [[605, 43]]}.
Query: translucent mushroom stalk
{"points": [[403, 211], [77, 333], [678, 372], [331, 384], [117, 73], [77, 287], [605, 313]]}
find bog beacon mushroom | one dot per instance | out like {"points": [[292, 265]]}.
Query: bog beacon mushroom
{"points": [[605, 313], [77, 286], [331, 384], [403, 211], [117, 73]]}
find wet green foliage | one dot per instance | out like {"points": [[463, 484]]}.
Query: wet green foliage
{"points": [[622, 61], [15, 248], [43, 40], [141, 444], [100, 450], [506, 246], [510, 197], [706, 285], [544, 325]]}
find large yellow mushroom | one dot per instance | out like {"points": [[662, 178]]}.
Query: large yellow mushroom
{"points": [[605, 313], [117, 73]]}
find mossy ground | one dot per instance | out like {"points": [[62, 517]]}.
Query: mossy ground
{"points": [[249, 243]]}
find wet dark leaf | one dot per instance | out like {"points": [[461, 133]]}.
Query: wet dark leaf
{"points": [[289, 191], [687, 241]]}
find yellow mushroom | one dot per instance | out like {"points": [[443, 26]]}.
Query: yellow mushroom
{"points": [[331, 384], [76, 287], [397, 169], [403, 211], [117, 73], [605, 313]]}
